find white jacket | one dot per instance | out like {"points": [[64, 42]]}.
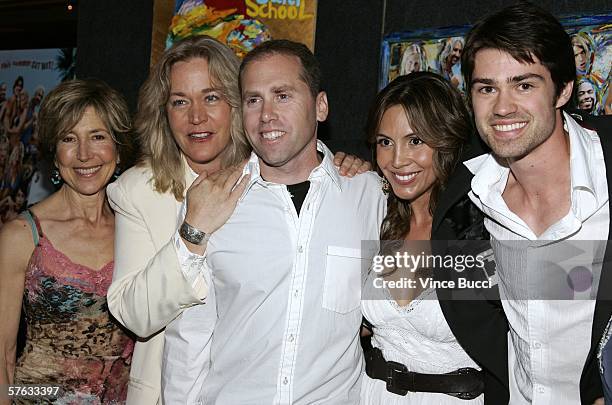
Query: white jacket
{"points": [[148, 289]]}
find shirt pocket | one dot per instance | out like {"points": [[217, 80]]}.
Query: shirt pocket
{"points": [[342, 286]]}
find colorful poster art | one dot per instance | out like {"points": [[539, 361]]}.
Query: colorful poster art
{"points": [[244, 24], [26, 76], [592, 45], [439, 51]]}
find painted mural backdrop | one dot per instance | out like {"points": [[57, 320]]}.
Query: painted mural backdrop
{"points": [[243, 24], [25, 77], [440, 51]]}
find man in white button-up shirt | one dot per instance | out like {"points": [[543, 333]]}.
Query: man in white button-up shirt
{"points": [[286, 262], [544, 180]]}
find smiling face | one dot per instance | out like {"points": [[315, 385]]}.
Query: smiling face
{"points": [[280, 114], [586, 96], [514, 103], [86, 156], [404, 159], [455, 55], [198, 114]]}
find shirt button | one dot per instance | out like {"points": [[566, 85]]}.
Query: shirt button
{"points": [[285, 381], [537, 345], [301, 249], [291, 338], [296, 293]]}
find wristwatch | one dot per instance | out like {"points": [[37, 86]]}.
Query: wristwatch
{"points": [[192, 234]]}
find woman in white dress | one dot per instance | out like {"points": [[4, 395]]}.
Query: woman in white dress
{"points": [[420, 126]]}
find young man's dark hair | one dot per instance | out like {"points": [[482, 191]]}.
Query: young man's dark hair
{"points": [[519, 66], [311, 72], [524, 31]]}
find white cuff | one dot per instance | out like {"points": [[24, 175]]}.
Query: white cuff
{"points": [[192, 265]]}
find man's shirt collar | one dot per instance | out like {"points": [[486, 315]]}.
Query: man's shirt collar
{"points": [[588, 187], [325, 168]]}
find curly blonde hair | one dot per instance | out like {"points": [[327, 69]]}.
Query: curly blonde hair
{"points": [[159, 149]]}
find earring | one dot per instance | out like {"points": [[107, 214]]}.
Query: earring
{"points": [[386, 187], [56, 179], [116, 174]]}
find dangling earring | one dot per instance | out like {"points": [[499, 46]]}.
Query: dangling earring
{"points": [[56, 179], [116, 174], [386, 187], [117, 171]]}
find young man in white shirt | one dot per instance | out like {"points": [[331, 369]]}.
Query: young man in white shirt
{"points": [[286, 262], [543, 180]]}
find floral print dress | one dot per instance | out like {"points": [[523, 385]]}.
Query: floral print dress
{"points": [[72, 340]]}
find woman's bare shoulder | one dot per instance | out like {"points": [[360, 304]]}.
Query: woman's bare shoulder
{"points": [[15, 226], [16, 244]]}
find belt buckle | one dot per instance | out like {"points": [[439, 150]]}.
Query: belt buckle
{"points": [[393, 368], [477, 390]]}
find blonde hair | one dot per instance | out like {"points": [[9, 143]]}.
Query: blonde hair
{"points": [[159, 148]]}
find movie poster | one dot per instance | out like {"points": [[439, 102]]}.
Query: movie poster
{"points": [[592, 45], [243, 24], [25, 77], [440, 51]]}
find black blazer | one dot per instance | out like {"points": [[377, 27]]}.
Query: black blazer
{"points": [[481, 326], [590, 380]]}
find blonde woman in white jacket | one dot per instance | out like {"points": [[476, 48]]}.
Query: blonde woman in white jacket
{"points": [[188, 122]]}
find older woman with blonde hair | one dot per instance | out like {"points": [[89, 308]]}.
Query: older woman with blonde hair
{"points": [[56, 259], [190, 126], [188, 122]]}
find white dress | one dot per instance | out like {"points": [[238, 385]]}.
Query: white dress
{"points": [[417, 336]]}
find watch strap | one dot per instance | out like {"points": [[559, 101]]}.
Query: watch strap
{"points": [[192, 234]]}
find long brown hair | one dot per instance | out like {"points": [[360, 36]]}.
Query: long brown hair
{"points": [[435, 110]]}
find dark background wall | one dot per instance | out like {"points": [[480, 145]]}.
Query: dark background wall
{"points": [[28, 24], [114, 43], [348, 46]]}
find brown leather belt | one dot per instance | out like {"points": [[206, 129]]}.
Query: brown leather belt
{"points": [[465, 383]]}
